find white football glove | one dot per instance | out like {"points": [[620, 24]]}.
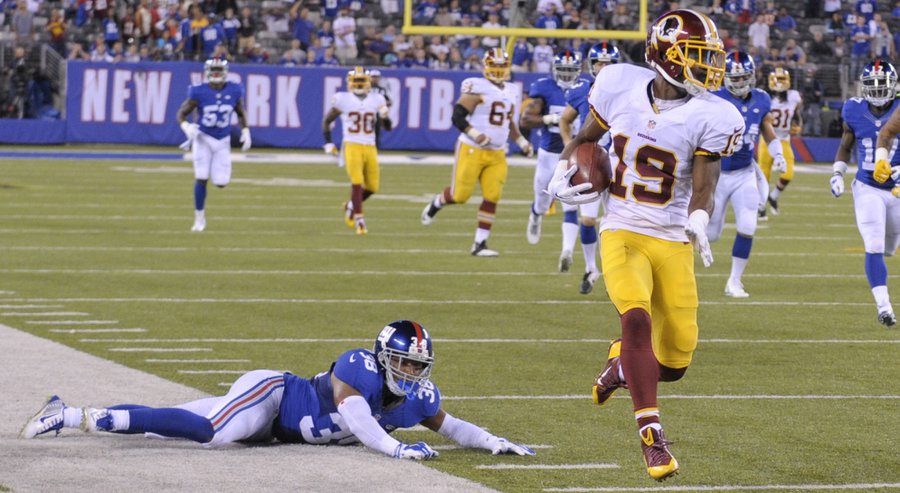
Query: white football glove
{"points": [[245, 139], [415, 451], [837, 184], [551, 119], [895, 173], [561, 189], [330, 149], [779, 164], [504, 446], [190, 130], [696, 232]]}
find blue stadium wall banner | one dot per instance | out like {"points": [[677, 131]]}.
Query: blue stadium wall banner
{"points": [[137, 103]]}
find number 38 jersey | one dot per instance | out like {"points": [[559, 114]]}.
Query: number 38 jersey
{"points": [[308, 413], [652, 153], [216, 106], [358, 115], [497, 108]]}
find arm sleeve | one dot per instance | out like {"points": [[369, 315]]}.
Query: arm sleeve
{"points": [[459, 118], [358, 416], [467, 434]]}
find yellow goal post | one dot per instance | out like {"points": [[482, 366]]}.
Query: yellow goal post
{"points": [[511, 33]]}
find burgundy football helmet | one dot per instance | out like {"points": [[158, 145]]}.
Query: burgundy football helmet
{"points": [[685, 48]]}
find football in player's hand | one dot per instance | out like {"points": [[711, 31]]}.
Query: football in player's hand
{"points": [[593, 165]]}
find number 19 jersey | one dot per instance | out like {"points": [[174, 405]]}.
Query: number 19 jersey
{"points": [[652, 153], [216, 106], [358, 115]]}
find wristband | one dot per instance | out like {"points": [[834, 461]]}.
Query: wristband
{"points": [[839, 167], [775, 148], [522, 142], [474, 133], [699, 217], [881, 154]]}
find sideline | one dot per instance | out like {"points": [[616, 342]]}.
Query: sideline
{"points": [[73, 461]]}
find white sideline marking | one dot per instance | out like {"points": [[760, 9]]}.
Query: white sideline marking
{"points": [[244, 272], [94, 331], [71, 322], [767, 487], [158, 360], [44, 314], [459, 447], [31, 306], [345, 301], [547, 466], [283, 340], [7, 292], [159, 350], [212, 372]]}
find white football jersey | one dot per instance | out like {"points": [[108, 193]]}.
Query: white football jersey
{"points": [[358, 115], [652, 153], [497, 108], [783, 112]]}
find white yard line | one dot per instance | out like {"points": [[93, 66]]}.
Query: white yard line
{"points": [[544, 467], [44, 314], [292, 340], [212, 372], [160, 350], [71, 322], [182, 361], [96, 331]]}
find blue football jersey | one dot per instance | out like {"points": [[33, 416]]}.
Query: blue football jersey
{"points": [[577, 98], [216, 106], [865, 127], [753, 108], [554, 102], [308, 413]]}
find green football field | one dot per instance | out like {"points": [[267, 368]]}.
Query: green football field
{"points": [[792, 389]]}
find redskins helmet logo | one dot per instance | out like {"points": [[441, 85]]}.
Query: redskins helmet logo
{"points": [[667, 29]]}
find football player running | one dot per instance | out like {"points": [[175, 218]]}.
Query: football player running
{"points": [[577, 110], [787, 106], [363, 397], [548, 99], [486, 115], [360, 110], [210, 140], [877, 211], [669, 135], [738, 180]]}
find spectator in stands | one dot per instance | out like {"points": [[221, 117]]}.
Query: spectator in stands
{"points": [[883, 42], [276, 20], [774, 58], [230, 26], [247, 31], [819, 50], [376, 47], [745, 11], [111, 32], [131, 54], [78, 52], [895, 13], [437, 45], [862, 45], [21, 75], [23, 24], [310, 58], [474, 49], [117, 52], [98, 10], [727, 39], [258, 54], [326, 34], [345, 36], [424, 13], [548, 20], [622, 19], [56, 29], [126, 25], [521, 55], [835, 26], [211, 37], [832, 6], [144, 21], [549, 6], [813, 93], [189, 44], [303, 27], [785, 25], [758, 33], [456, 59], [100, 53], [866, 8], [294, 56], [542, 57], [440, 61], [793, 55], [442, 17], [813, 9], [492, 22], [419, 60], [840, 48], [328, 59], [390, 7]]}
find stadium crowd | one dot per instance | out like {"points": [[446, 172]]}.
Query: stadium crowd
{"points": [[350, 32]]}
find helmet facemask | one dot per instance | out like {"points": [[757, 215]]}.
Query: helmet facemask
{"points": [[496, 66], [359, 82], [878, 86], [216, 70], [400, 381], [703, 64], [740, 84], [779, 80], [566, 70]]}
